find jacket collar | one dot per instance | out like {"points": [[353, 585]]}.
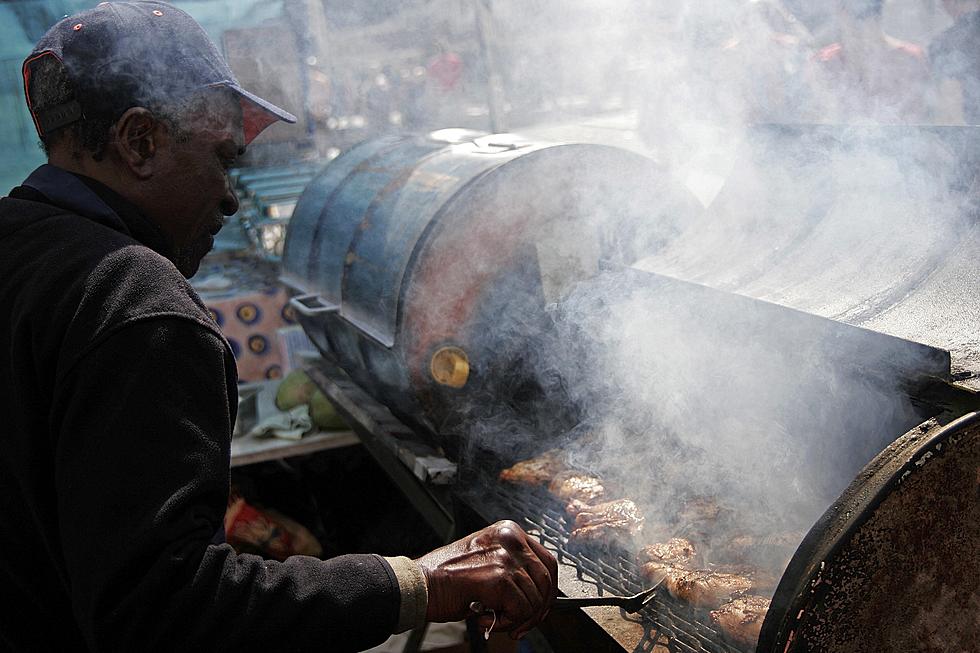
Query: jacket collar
{"points": [[96, 201]]}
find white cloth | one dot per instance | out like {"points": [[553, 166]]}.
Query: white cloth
{"points": [[290, 425]]}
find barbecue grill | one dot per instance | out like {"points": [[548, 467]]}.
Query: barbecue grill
{"points": [[438, 273], [370, 249]]}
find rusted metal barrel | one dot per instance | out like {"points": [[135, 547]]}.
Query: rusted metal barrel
{"points": [[404, 249]]}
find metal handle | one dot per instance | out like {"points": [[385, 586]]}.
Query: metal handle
{"points": [[312, 305], [630, 604]]}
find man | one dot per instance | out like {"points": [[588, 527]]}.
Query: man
{"points": [[118, 390], [955, 59], [868, 76]]}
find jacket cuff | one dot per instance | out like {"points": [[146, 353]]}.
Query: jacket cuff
{"points": [[414, 593]]}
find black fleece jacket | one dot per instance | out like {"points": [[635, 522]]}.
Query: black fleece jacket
{"points": [[117, 400]]}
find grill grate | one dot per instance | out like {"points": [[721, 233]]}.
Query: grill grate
{"points": [[613, 570]]}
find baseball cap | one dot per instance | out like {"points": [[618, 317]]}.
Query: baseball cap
{"points": [[118, 55]]}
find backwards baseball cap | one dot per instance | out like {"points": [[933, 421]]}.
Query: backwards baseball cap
{"points": [[118, 55]]}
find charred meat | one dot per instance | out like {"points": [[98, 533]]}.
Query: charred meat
{"points": [[700, 509], [606, 521], [535, 471], [571, 485], [670, 563], [575, 506], [666, 562], [763, 580], [659, 572], [703, 519], [705, 589], [675, 552], [741, 619]]}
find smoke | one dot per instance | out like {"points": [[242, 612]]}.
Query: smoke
{"points": [[715, 353], [668, 366], [726, 362], [723, 359], [651, 375], [691, 395]]}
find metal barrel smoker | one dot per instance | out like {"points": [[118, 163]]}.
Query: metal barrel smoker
{"points": [[407, 251]]}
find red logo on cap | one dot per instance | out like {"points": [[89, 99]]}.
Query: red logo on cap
{"points": [[77, 26], [157, 12]]}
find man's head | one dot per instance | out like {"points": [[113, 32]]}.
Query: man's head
{"points": [[957, 8], [137, 96]]}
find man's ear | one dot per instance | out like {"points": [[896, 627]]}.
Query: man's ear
{"points": [[137, 137]]}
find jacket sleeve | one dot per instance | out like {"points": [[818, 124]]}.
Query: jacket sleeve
{"points": [[142, 454]]}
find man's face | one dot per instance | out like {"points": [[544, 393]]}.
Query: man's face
{"points": [[192, 193]]}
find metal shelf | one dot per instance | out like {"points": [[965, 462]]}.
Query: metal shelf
{"points": [[246, 451]]}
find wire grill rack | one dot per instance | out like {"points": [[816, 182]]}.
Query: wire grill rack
{"points": [[612, 570]]}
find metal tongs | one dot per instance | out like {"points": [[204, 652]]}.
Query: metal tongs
{"points": [[629, 604]]}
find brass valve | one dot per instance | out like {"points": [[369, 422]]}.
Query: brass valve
{"points": [[450, 366]]}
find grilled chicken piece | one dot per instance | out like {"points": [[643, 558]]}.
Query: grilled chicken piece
{"points": [[535, 471], [659, 572], [666, 562], [705, 589], [606, 521], [675, 552], [575, 506], [741, 619], [763, 581], [571, 485], [699, 509], [669, 562], [703, 519]]}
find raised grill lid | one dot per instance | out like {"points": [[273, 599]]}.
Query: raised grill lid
{"points": [[893, 564]]}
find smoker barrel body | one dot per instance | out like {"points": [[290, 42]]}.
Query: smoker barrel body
{"points": [[407, 249]]}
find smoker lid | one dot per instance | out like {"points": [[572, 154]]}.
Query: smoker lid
{"points": [[872, 225], [893, 564]]}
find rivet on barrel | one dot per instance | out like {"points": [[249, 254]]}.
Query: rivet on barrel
{"points": [[450, 366]]}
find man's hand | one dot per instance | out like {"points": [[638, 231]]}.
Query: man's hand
{"points": [[499, 566]]}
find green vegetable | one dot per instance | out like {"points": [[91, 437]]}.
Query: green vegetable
{"points": [[296, 389], [324, 414]]}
